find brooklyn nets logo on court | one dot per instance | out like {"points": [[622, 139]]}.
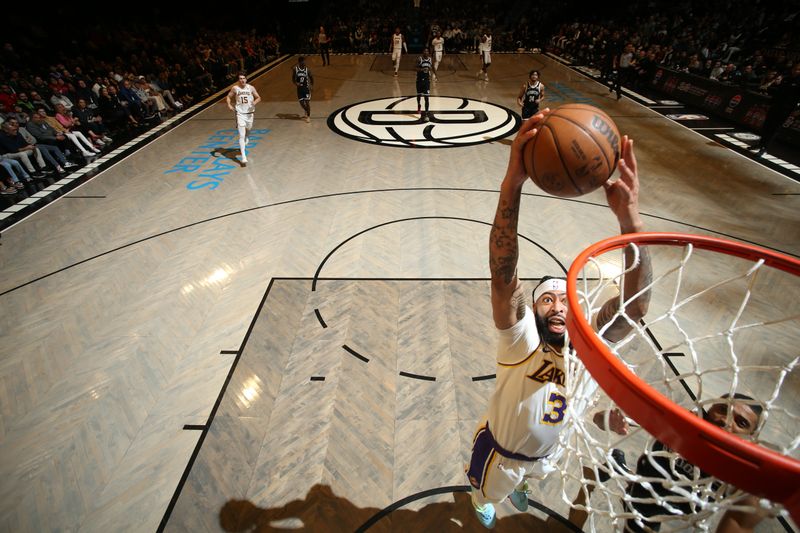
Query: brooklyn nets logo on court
{"points": [[451, 122]]}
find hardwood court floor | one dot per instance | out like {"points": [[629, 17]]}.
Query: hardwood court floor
{"points": [[122, 316]]}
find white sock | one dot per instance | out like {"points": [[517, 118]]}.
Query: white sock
{"points": [[242, 141]]}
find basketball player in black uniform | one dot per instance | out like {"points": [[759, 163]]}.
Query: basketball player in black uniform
{"points": [[424, 67], [531, 94], [302, 78], [744, 420]]}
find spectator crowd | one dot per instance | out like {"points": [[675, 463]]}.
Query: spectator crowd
{"points": [[63, 109], [746, 43]]}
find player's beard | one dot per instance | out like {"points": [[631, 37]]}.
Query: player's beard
{"points": [[555, 340]]}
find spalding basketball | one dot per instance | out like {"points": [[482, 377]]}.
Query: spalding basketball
{"points": [[575, 151]]}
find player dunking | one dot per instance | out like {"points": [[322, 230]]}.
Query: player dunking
{"points": [[438, 51], [485, 50], [518, 436], [424, 66], [246, 98], [531, 94], [302, 78], [398, 45]]}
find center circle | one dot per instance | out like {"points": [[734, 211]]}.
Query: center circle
{"points": [[449, 122]]}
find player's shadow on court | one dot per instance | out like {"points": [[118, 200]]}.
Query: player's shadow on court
{"points": [[322, 510], [228, 153], [289, 116]]}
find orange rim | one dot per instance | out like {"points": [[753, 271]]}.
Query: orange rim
{"points": [[748, 466]]}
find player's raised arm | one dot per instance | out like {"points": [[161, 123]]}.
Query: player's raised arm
{"points": [[623, 199], [508, 297]]}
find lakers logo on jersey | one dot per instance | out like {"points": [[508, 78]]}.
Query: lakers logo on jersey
{"points": [[548, 372]]}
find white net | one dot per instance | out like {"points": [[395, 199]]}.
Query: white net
{"points": [[717, 327]]}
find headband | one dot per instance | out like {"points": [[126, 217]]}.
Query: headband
{"points": [[551, 285]]}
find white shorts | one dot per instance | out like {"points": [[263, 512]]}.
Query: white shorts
{"points": [[495, 476], [437, 57], [487, 57], [244, 120], [396, 55]]}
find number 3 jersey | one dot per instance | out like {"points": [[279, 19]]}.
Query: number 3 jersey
{"points": [[528, 407]]}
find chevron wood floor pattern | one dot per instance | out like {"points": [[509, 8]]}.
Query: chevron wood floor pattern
{"points": [[122, 317]]}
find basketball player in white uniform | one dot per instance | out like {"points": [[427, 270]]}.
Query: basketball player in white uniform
{"points": [[245, 98], [485, 50], [437, 43], [398, 45], [528, 407]]}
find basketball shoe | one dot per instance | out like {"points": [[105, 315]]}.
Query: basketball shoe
{"points": [[519, 498], [486, 515]]}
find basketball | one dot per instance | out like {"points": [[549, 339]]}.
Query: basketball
{"points": [[575, 152]]}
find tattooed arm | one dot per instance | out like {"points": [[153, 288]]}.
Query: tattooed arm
{"points": [[508, 296], [623, 199]]}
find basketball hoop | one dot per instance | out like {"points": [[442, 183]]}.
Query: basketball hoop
{"points": [[740, 284]]}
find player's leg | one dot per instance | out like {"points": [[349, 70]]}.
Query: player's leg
{"points": [[490, 480], [243, 143], [242, 126], [243, 131]]}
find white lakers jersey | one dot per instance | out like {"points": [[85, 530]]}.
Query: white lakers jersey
{"points": [[528, 407], [397, 41], [244, 98], [438, 44]]}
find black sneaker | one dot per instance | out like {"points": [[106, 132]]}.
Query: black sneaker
{"points": [[618, 457]]}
